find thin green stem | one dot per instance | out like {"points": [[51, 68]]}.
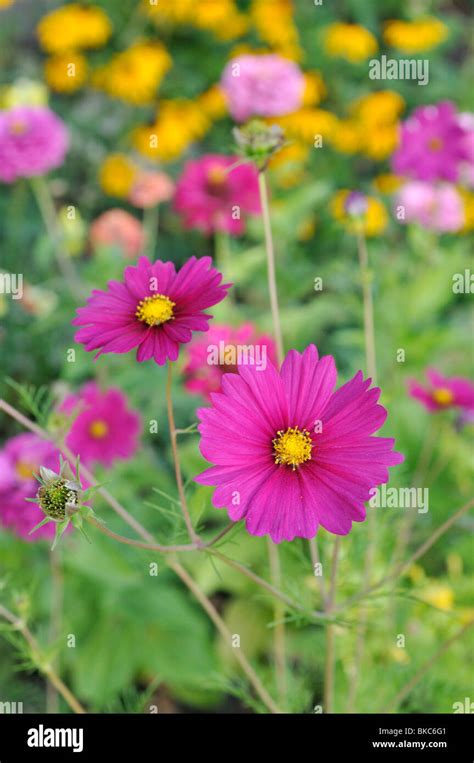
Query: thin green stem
{"points": [[271, 272], [46, 206], [52, 697], [177, 465], [151, 219], [280, 635]]}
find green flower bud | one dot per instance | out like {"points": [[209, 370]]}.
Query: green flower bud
{"points": [[258, 141]]}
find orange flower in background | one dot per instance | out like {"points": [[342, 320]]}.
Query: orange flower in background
{"points": [[315, 89], [118, 228], [274, 22], [135, 74], [177, 125], [72, 27], [150, 189], [6, 3], [415, 36], [350, 41], [221, 17], [117, 175], [372, 222], [66, 72]]}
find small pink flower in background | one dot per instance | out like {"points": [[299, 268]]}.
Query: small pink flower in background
{"points": [[33, 141], [202, 376], [118, 228], [262, 86], [436, 207], [150, 189], [432, 144], [105, 429], [20, 458], [466, 121], [154, 309], [443, 392], [211, 197], [290, 453]]}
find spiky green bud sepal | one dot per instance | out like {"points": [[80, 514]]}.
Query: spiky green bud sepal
{"points": [[61, 498], [258, 142]]}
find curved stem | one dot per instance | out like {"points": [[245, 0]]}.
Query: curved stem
{"points": [[151, 219], [279, 613], [37, 657], [177, 465], [405, 690]]}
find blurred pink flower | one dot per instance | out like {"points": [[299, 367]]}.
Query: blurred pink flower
{"points": [[436, 207], [150, 189], [33, 141], [105, 429], [211, 197], [118, 228], [204, 376], [442, 391], [20, 458], [432, 144], [262, 85], [466, 121]]}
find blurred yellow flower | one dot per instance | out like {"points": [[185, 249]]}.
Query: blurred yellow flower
{"points": [[288, 164], [468, 200], [372, 223], [350, 41], [439, 595], [387, 183], [23, 92], [415, 36], [66, 72], [416, 573], [273, 20], [346, 136], [379, 141], [177, 125], [73, 26], [213, 102], [117, 175], [6, 3], [135, 74], [379, 108], [307, 124], [399, 654], [315, 89], [221, 17]]}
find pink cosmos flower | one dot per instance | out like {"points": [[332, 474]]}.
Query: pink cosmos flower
{"points": [[432, 144], [150, 189], [33, 141], [292, 454], [435, 207], [20, 458], [442, 391], [154, 309], [218, 353], [262, 85], [105, 428], [118, 228], [211, 197]]}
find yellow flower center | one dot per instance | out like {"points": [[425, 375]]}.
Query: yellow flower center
{"points": [[292, 447], [217, 175], [98, 429], [442, 396], [17, 127], [435, 144], [25, 470], [155, 310]]}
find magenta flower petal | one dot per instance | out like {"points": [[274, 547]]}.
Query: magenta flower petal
{"points": [[154, 309], [277, 471], [443, 392]]}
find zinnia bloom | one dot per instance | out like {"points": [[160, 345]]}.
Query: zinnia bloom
{"points": [[262, 86], [443, 391], [20, 458], [217, 353], [105, 429], [438, 208], [154, 309], [72, 27], [150, 189], [33, 141], [350, 41], [212, 197], [432, 144], [118, 228], [290, 453], [415, 36]]}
